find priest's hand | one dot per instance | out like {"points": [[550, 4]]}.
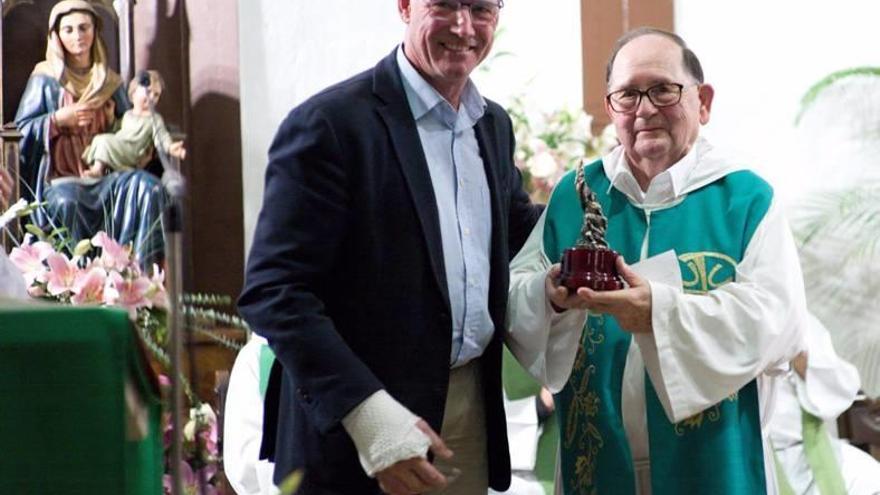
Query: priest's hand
{"points": [[559, 296], [631, 307]]}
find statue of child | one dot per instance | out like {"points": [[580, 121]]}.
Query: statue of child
{"points": [[142, 128]]}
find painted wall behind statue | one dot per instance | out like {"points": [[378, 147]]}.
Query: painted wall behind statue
{"points": [[762, 57], [291, 50], [194, 44]]}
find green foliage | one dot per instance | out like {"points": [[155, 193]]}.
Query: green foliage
{"points": [[853, 213], [550, 144], [815, 90], [291, 483]]}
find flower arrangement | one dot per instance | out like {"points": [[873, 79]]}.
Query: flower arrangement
{"points": [[553, 143], [101, 272], [201, 457], [111, 279]]}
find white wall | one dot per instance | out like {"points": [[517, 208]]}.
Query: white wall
{"points": [[292, 49], [289, 51], [762, 56]]}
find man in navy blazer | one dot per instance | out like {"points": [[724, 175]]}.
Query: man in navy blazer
{"points": [[379, 269]]}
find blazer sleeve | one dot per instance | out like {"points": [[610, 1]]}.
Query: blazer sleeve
{"points": [[300, 229]]}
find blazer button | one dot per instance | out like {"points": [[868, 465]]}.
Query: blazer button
{"points": [[304, 395]]}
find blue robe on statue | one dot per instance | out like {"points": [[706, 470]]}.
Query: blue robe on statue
{"points": [[127, 205]]}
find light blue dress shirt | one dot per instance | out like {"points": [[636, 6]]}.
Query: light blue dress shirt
{"points": [[462, 193]]}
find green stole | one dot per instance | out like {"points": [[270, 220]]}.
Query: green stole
{"points": [[716, 451], [820, 457]]}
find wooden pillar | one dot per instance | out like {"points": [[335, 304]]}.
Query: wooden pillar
{"points": [[602, 22], [194, 44]]}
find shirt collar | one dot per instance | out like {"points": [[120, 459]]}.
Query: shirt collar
{"points": [[666, 187], [423, 98]]}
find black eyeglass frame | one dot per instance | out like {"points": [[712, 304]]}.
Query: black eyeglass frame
{"points": [[647, 92], [467, 3]]}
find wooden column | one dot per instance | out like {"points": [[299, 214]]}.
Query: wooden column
{"points": [[194, 44], [602, 22]]}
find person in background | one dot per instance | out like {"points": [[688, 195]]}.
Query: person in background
{"points": [[819, 387], [243, 420]]}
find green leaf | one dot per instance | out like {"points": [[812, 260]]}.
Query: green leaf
{"points": [[291, 483], [82, 248], [36, 231]]}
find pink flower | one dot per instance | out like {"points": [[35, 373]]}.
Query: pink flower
{"points": [[127, 293], [29, 259], [61, 275], [164, 382], [113, 255], [89, 286], [190, 481], [167, 430]]}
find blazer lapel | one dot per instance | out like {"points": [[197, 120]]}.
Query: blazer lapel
{"points": [[498, 262], [397, 116], [489, 153]]}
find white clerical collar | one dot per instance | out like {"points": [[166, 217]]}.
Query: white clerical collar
{"points": [[664, 188]]}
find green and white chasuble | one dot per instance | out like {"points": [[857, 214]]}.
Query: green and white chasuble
{"points": [[678, 410]]}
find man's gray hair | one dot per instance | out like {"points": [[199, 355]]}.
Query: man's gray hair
{"points": [[689, 59]]}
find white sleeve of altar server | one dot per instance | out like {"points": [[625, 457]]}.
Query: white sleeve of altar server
{"points": [[831, 384], [543, 341], [243, 425], [708, 346]]}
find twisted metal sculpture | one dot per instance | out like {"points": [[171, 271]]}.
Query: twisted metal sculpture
{"points": [[595, 223]]}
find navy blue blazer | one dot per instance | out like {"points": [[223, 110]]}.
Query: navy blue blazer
{"points": [[346, 277]]}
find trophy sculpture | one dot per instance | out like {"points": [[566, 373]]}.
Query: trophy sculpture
{"points": [[590, 263]]}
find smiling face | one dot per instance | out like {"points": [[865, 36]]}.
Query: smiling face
{"points": [[444, 49], [657, 136], [77, 33]]}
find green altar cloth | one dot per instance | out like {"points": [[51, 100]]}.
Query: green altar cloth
{"points": [[63, 415]]}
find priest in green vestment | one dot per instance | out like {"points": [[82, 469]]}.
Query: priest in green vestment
{"points": [[664, 387]]}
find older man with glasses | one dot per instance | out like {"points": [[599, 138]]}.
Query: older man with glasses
{"points": [[665, 384], [379, 269]]}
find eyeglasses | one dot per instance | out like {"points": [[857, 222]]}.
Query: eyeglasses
{"points": [[482, 11], [661, 95]]}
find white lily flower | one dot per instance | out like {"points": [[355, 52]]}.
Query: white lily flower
{"points": [[12, 213]]}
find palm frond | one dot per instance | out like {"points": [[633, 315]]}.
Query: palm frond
{"points": [[838, 235], [207, 318], [813, 93], [853, 213]]}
